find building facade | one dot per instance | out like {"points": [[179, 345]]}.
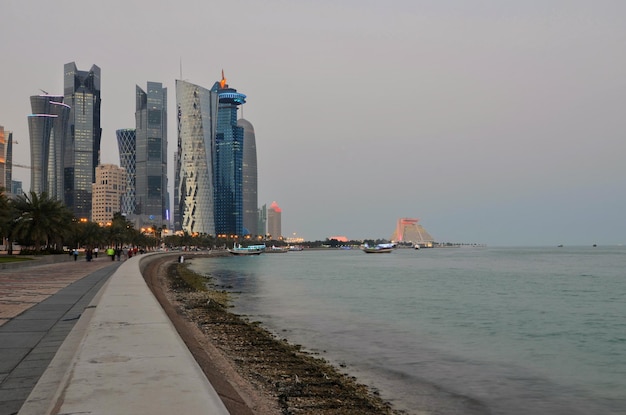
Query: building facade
{"points": [[6, 160], [126, 145], [82, 141], [249, 180], [47, 127], [274, 221], [197, 123], [228, 161], [151, 196], [107, 192]]}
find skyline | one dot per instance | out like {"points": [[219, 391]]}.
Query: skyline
{"points": [[496, 123]]}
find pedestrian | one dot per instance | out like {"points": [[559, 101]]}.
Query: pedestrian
{"points": [[118, 253], [111, 253], [75, 253], [95, 252], [88, 255]]}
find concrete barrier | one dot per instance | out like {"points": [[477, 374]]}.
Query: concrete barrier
{"points": [[124, 357]]}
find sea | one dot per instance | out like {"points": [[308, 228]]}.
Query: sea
{"points": [[470, 330]]}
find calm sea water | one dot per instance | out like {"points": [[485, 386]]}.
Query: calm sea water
{"points": [[455, 330]]}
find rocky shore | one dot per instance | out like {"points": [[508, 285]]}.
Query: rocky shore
{"points": [[253, 371]]}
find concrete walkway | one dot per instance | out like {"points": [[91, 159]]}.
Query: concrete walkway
{"points": [[39, 306], [124, 356]]}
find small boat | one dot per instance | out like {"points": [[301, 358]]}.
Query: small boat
{"points": [[416, 246], [277, 249], [378, 249], [247, 250], [294, 248]]}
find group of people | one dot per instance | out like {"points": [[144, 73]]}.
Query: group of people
{"points": [[117, 253], [111, 253]]}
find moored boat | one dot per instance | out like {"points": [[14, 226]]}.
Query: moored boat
{"points": [[247, 250], [378, 249]]}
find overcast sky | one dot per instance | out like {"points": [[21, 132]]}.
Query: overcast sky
{"points": [[499, 122]]}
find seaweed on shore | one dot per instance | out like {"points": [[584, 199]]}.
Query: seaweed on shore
{"points": [[300, 382]]}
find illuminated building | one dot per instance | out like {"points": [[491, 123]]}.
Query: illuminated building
{"points": [[273, 221], [6, 158], [107, 192], [82, 141], [408, 230], [228, 161], [250, 180]]}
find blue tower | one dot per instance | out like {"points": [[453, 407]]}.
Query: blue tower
{"points": [[228, 162]]}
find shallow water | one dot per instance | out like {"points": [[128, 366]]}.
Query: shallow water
{"points": [[456, 330]]}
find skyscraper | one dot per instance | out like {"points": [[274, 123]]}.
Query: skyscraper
{"points": [[48, 127], [228, 161], [82, 141], [151, 197], [197, 124], [127, 145], [250, 180], [274, 221]]}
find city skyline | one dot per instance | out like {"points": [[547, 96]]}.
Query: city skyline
{"points": [[497, 123]]}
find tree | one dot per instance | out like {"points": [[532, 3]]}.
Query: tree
{"points": [[40, 220]]}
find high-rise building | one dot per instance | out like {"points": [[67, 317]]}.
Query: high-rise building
{"points": [[48, 128], [274, 221], [16, 187], [126, 145], [151, 197], [197, 124], [6, 160], [228, 161], [250, 180], [82, 141], [107, 192], [261, 226]]}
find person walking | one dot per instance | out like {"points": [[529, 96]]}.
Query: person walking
{"points": [[75, 253], [111, 253], [95, 252]]}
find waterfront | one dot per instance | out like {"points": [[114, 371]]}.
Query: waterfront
{"points": [[464, 330]]}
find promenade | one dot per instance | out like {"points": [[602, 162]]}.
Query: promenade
{"points": [[90, 337], [39, 306]]}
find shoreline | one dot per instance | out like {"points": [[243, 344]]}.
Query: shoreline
{"points": [[253, 371]]}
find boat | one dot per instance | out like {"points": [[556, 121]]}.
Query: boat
{"points": [[294, 248], [247, 250], [277, 249], [378, 249]]}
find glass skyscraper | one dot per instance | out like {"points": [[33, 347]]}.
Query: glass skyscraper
{"points": [[48, 127], [126, 144], [82, 141], [250, 180], [151, 197], [228, 161], [197, 123]]}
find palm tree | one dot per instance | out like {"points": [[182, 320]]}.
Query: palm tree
{"points": [[40, 219], [6, 216]]}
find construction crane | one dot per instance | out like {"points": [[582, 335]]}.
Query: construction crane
{"points": [[23, 166]]}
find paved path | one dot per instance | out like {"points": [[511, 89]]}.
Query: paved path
{"points": [[39, 306]]}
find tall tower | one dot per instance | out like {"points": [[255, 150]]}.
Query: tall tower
{"points": [[250, 180], [197, 124], [126, 145], [274, 221], [48, 127], [151, 197], [82, 141], [228, 161]]}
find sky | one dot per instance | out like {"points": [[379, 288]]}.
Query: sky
{"points": [[492, 121]]}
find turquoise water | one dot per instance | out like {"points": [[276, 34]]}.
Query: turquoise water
{"points": [[455, 330]]}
